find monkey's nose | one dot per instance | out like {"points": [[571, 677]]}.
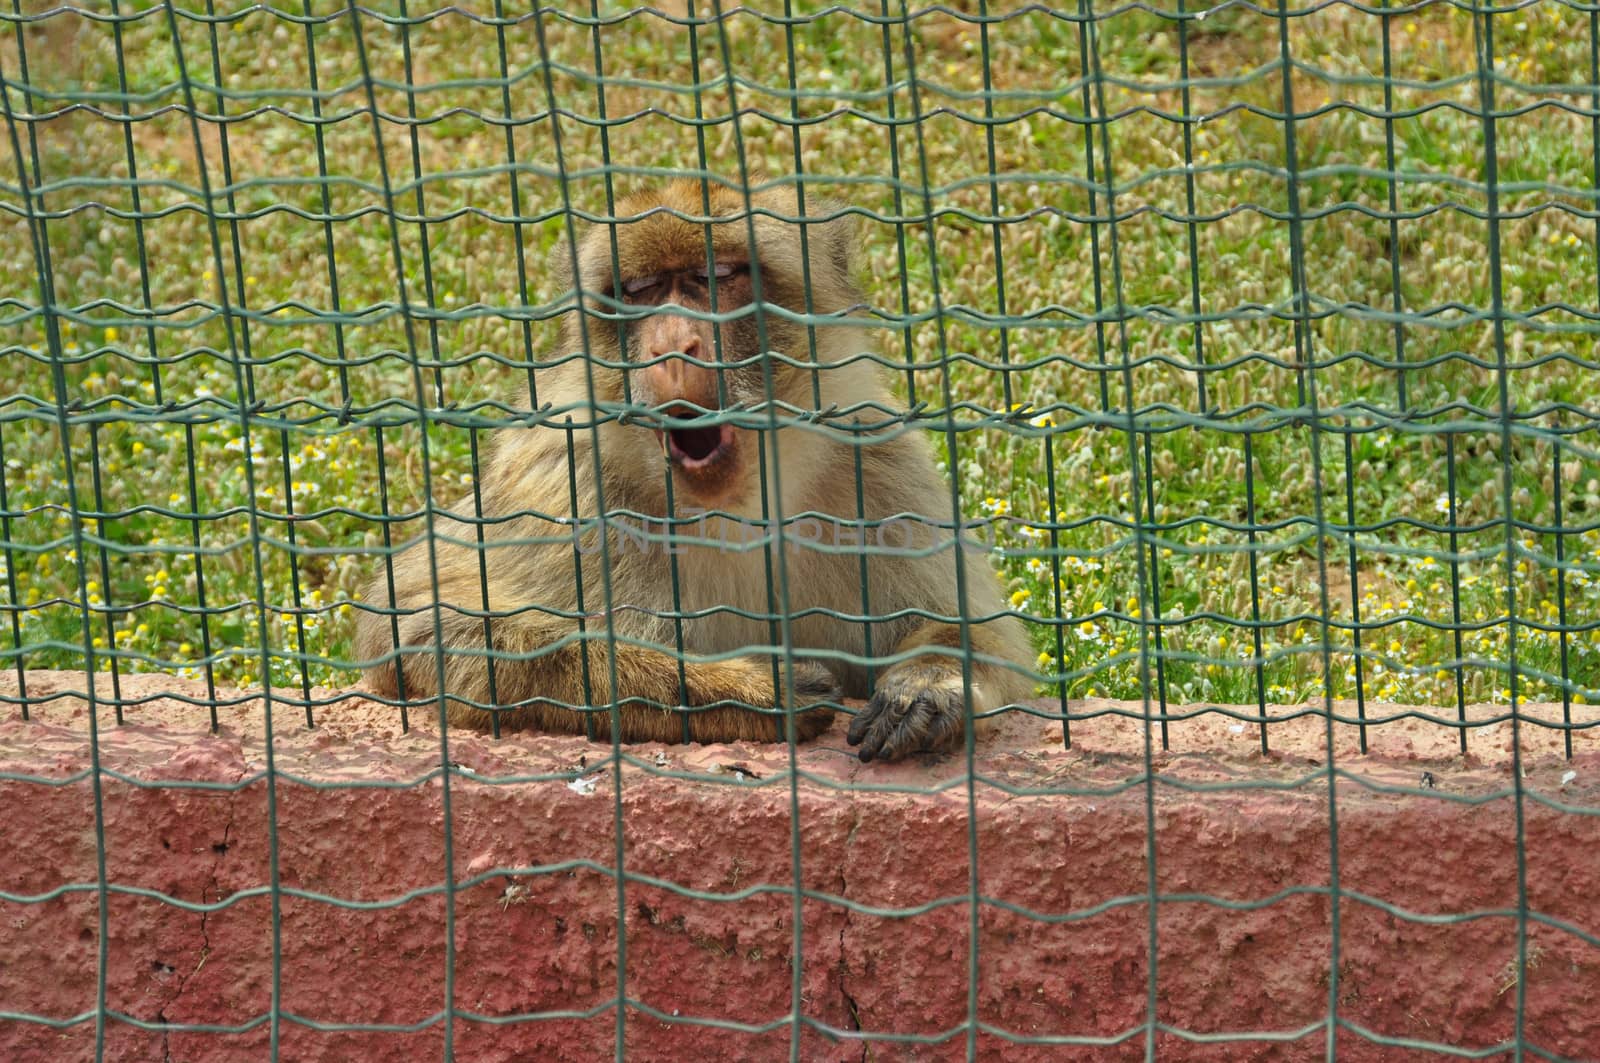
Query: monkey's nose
{"points": [[667, 336], [679, 352], [674, 378]]}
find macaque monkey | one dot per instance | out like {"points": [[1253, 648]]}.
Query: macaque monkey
{"points": [[699, 423]]}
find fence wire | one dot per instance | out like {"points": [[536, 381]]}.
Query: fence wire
{"points": [[1258, 341]]}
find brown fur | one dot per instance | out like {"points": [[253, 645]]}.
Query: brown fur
{"points": [[535, 561]]}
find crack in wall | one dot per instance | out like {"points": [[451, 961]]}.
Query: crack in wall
{"points": [[850, 1007], [213, 888]]}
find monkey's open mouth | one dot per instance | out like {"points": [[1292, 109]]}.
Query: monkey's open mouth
{"points": [[696, 449]]}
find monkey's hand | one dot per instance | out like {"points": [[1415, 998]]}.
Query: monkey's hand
{"points": [[920, 706]]}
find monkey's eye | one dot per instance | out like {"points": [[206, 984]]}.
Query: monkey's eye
{"points": [[722, 271], [637, 285]]}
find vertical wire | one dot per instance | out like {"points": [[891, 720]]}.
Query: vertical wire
{"points": [[482, 551], [1191, 225], [12, 595], [1056, 589], [1356, 627], [1483, 25], [44, 273], [1456, 627], [132, 159], [423, 240], [609, 182], [1305, 355], [602, 520], [897, 195], [295, 598], [991, 157], [1255, 582], [783, 688], [108, 606], [1091, 182], [702, 159], [324, 181], [952, 444], [419, 392], [387, 531], [197, 556], [1390, 176], [1100, 116], [335, 308], [798, 157], [514, 186], [1561, 596], [244, 390]]}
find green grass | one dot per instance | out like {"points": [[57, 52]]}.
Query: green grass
{"points": [[1231, 558]]}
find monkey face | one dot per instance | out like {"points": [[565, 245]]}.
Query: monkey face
{"points": [[689, 368], [680, 267]]}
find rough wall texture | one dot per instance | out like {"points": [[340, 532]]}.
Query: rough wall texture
{"points": [[1064, 837]]}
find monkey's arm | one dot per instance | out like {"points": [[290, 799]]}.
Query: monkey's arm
{"points": [[921, 703], [527, 667]]}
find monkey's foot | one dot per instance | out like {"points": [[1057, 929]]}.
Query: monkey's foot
{"points": [[917, 707]]}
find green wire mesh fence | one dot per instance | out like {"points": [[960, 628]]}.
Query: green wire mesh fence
{"points": [[1257, 341]]}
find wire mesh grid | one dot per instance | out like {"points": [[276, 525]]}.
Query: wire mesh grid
{"points": [[1257, 340]]}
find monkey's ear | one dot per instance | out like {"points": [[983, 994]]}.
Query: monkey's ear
{"points": [[839, 237], [596, 275], [560, 264]]}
